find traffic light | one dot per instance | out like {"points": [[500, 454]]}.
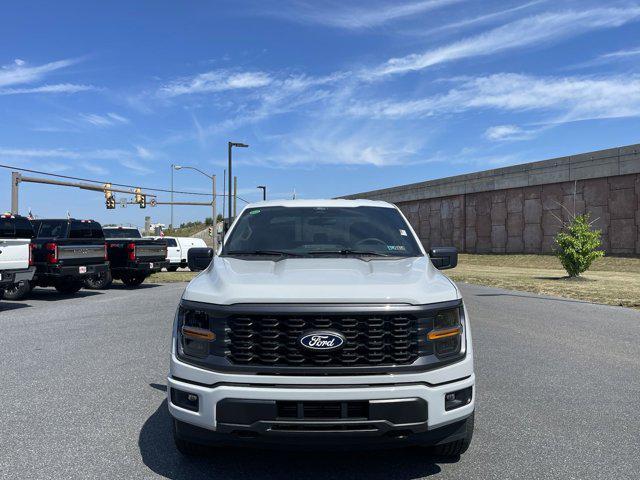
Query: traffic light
{"points": [[143, 201], [110, 201], [210, 229], [138, 193]]}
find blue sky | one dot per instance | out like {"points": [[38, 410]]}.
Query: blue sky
{"points": [[334, 97]]}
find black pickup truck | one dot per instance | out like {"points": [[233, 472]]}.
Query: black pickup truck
{"points": [[64, 252], [132, 258]]}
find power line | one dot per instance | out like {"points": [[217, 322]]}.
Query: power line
{"points": [[100, 182]]}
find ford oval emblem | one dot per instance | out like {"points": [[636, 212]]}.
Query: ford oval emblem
{"points": [[322, 341]]}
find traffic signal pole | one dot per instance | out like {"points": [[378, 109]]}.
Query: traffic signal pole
{"points": [[17, 178]]}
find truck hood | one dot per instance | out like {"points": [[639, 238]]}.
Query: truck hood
{"points": [[321, 280]]}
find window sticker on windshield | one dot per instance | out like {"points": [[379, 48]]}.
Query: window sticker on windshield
{"points": [[403, 232], [253, 212], [396, 248]]}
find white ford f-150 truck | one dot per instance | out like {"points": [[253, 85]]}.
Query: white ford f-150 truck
{"points": [[322, 322], [16, 249]]}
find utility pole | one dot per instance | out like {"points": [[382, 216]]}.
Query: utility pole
{"points": [[264, 191], [15, 180], [224, 193]]}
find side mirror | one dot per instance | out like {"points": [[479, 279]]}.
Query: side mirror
{"points": [[444, 257], [199, 258]]}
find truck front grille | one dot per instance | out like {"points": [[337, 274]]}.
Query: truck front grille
{"points": [[371, 340]]}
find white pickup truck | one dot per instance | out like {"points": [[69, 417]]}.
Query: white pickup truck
{"points": [[178, 249], [16, 262], [322, 323]]}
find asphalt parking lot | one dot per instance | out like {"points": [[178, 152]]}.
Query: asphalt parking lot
{"points": [[82, 394]]}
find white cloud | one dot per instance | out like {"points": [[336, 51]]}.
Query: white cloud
{"points": [[39, 153], [481, 19], [108, 120], [135, 165], [215, 81], [73, 154], [340, 15], [340, 142], [527, 32], [508, 132], [117, 117], [143, 152], [20, 72], [94, 168], [632, 52], [55, 88], [567, 98]]}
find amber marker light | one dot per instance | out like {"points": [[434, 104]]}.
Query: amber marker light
{"points": [[444, 333], [198, 333]]}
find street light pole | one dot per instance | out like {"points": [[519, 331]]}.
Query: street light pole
{"points": [[224, 192], [171, 223], [229, 174], [264, 191], [231, 145], [213, 214], [213, 199]]}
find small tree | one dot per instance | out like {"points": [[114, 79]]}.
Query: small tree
{"points": [[578, 245]]}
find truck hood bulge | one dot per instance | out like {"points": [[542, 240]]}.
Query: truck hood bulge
{"points": [[321, 280]]}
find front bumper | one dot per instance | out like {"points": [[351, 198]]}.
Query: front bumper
{"points": [[213, 424]]}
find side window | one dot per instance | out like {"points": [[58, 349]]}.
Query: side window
{"points": [[171, 242]]}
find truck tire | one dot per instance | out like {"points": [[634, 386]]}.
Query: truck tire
{"points": [[172, 269], [17, 291], [133, 280], [69, 287], [98, 281], [457, 448]]}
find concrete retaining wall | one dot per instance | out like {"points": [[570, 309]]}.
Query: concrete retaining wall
{"points": [[519, 209]]}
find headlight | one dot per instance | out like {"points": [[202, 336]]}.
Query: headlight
{"points": [[447, 331], [194, 333]]}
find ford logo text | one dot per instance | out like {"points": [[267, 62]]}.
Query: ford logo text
{"points": [[324, 341]]}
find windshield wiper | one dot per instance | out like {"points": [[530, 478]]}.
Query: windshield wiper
{"points": [[347, 251], [261, 252]]}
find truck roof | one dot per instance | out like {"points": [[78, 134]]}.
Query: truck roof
{"points": [[62, 220], [337, 202]]}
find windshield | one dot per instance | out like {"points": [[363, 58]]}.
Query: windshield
{"points": [[310, 231], [121, 233]]}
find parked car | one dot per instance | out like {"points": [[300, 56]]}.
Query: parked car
{"points": [[322, 322], [65, 251], [178, 248], [132, 258], [16, 263]]}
